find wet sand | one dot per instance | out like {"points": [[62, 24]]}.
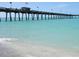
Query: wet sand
{"points": [[7, 51]]}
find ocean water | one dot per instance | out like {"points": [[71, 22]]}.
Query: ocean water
{"points": [[61, 33]]}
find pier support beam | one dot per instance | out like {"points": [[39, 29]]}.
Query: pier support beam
{"points": [[0, 19], [41, 16], [75, 17], [26, 15], [56, 16], [15, 17], [78, 17], [37, 16], [45, 16], [51, 16], [33, 16], [68, 17], [61, 17], [19, 16], [10, 16], [71, 17], [6, 16], [64, 17], [22, 16], [48, 16]]}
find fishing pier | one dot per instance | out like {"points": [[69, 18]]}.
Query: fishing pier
{"points": [[28, 14]]}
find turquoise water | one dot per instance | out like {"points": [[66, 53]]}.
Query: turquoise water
{"points": [[54, 32]]}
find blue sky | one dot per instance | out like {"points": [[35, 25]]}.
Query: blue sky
{"points": [[60, 7]]}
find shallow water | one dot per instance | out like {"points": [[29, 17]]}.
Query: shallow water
{"points": [[61, 33]]}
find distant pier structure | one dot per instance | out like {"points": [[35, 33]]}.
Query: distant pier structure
{"points": [[25, 13]]}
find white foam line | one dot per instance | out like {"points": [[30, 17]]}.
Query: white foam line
{"points": [[2, 40]]}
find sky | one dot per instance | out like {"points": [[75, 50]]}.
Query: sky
{"points": [[59, 7]]}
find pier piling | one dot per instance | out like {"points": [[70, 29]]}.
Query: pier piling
{"points": [[6, 16], [22, 16], [15, 17], [41, 16], [45, 16], [19, 16], [35, 14], [10, 16], [26, 15]]}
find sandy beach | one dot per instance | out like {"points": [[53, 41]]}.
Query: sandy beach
{"points": [[16, 49]]}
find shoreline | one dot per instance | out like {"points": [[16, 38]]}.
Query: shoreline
{"points": [[7, 51], [18, 49]]}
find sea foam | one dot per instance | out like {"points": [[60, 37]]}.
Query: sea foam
{"points": [[2, 40]]}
